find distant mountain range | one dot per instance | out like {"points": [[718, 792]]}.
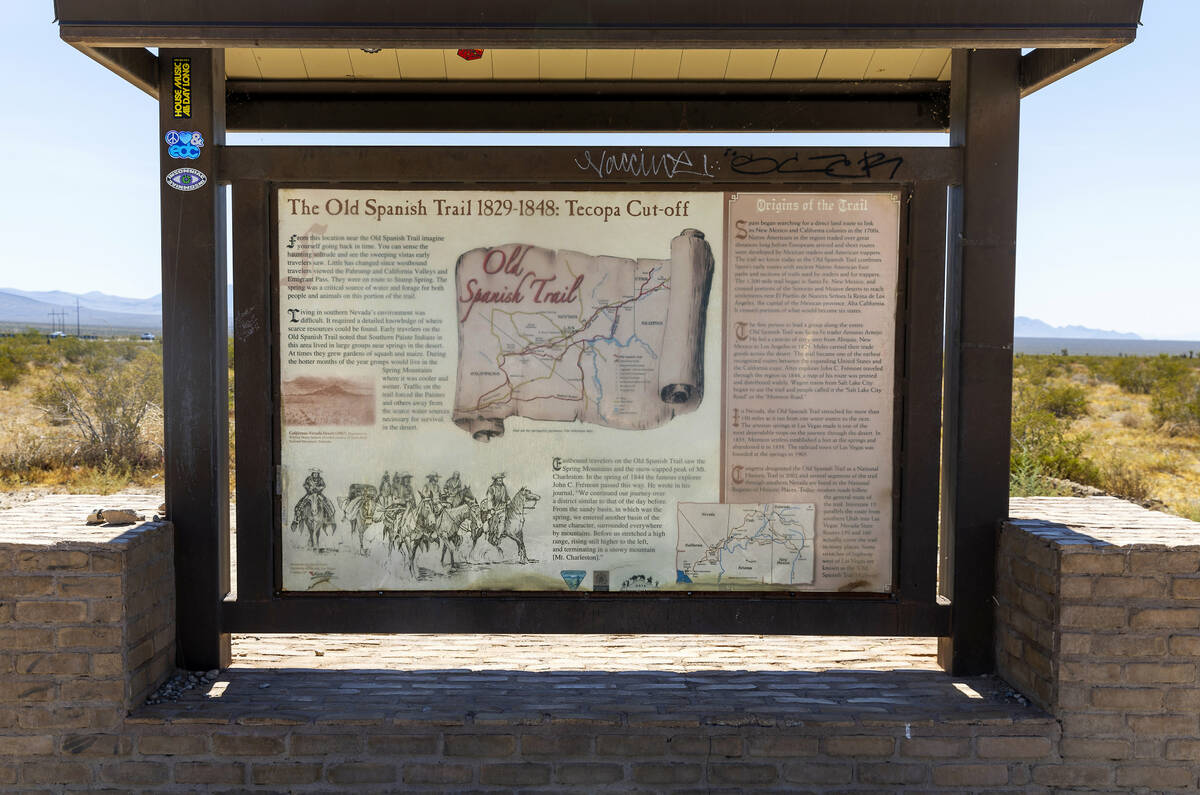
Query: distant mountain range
{"points": [[97, 311], [18, 311], [98, 301], [19, 308], [1031, 327]]}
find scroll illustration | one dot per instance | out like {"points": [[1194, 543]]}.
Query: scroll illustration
{"points": [[564, 336]]}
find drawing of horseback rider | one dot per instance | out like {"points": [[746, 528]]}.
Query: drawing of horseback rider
{"points": [[314, 494], [398, 510], [314, 511], [431, 495], [402, 491], [452, 491], [361, 508], [386, 490], [494, 504]]}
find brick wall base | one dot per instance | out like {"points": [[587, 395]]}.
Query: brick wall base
{"points": [[594, 754], [1098, 621], [1101, 635]]}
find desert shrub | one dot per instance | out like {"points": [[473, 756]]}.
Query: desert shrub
{"points": [[1123, 479], [1042, 446], [1176, 404], [1097, 367], [27, 450], [1143, 375], [1063, 400], [1132, 420], [128, 350], [1165, 461], [1028, 480], [1035, 369], [106, 402], [18, 352], [1129, 374], [72, 349], [10, 373], [28, 347]]}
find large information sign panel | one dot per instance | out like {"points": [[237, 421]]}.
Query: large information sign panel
{"points": [[586, 390], [809, 371]]}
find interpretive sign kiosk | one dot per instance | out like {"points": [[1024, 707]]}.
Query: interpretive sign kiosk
{"points": [[586, 388]]}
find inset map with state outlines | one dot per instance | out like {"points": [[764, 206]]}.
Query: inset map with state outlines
{"points": [[745, 545]]}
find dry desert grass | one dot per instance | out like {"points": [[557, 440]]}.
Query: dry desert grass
{"points": [[1122, 430], [1129, 426], [42, 446]]}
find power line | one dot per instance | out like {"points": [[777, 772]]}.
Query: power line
{"points": [[58, 321]]}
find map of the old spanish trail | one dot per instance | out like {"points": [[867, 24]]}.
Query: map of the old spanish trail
{"points": [[745, 545], [565, 336]]}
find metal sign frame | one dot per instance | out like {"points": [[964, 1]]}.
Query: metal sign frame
{"points": [[946, 590], [978, 106], [923, 177]]}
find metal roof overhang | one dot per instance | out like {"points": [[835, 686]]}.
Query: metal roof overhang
{"points": [[1065, 35]]}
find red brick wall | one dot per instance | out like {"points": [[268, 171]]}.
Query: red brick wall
{"points": [[1098, 621], [1098, 624], [86, 632]]}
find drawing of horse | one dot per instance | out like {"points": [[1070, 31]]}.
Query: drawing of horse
{"points": [[447, 526], [360, 509], [401, 532], [500, 522], [314, 512]]}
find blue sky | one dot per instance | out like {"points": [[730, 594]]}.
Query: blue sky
{"points": [[1107, 179]]}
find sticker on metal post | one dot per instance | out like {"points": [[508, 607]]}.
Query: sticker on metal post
{"points": [[183, 144], [186, 179], [182, 79]]}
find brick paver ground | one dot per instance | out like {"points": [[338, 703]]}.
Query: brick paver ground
{"points": [[622, 678], [607, 679]]}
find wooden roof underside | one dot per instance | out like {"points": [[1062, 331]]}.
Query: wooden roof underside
{"points": [[596, 48]]}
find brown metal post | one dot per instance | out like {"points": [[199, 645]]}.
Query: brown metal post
{"points": [[922, 338], [254, 390], [195, 339], [984, 121]]}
